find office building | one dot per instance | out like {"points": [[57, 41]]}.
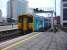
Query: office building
{"points": [[63, 13], [1, 20], [15, 8], [0, 13]]}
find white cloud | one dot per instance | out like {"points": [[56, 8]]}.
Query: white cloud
{"points": [[41, 3], [3, 6], [45, 4], [33, 4]]}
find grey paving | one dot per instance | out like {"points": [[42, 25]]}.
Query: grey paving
{"points": [[44, 41]]}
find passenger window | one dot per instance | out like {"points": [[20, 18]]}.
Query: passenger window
{"points": [[30, 19], [20, 19], [25, 20]]}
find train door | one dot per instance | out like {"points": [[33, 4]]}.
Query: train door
{"points": [[25, 24], [20, 22], [30, 24]]}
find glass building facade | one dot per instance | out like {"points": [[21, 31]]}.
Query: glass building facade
{"points": [[64, 0], [16, 7], [64, 6], [65, 14]]}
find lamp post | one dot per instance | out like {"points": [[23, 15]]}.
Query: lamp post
{"points": [[55, 21], [55, 8], [55, 15]]}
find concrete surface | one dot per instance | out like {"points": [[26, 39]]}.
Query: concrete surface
{"points": [[42, 41]]}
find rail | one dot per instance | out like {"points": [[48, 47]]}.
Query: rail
{"points": [[8, 34]]}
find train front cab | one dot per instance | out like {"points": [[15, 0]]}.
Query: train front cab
{"points": [[25, 23]]}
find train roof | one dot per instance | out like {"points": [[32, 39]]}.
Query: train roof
{"points": [[28, 14]]}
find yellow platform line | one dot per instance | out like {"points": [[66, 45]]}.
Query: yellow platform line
{"points": [[19, 42]]}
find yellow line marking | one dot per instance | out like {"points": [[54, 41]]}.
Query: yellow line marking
{"points": [[4, 49], [19, 42]]}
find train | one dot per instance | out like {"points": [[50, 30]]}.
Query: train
{"points": [[39, 23], [28, 23]]}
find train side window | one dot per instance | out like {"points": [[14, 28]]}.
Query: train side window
{"points": [[20, 19], [30, 19], [25, 20]]}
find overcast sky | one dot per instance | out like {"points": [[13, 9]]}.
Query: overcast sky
{"points": [[34, 3]]}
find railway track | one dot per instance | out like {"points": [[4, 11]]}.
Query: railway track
{"points": [[9, 34]]}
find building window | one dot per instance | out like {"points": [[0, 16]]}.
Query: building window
{"points": [[64, 0], [65, 14], [64, 18], [30, 19], [65, 24], [64, 5]]}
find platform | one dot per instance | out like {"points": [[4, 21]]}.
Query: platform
{"points": [[8, 27], [38, 41]]}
